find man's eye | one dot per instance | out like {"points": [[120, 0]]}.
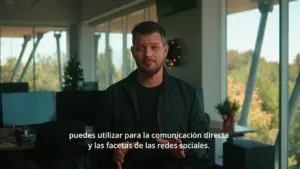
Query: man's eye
{"points": [[155, 47]]}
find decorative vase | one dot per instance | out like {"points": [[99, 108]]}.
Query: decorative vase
{"points": [[228, 125]]}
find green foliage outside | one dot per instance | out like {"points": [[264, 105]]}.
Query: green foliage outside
{"points": [[117, 74], [265, 100], [45, 69], [46, 73]]}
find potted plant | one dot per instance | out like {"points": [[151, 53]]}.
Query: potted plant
{"points": [[227, 110]]}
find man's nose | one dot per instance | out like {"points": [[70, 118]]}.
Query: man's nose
{"points": [[148, 52]]}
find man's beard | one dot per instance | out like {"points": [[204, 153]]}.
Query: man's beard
{"points": [[149, 72]]}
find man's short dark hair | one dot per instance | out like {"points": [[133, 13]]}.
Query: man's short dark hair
{"points": [[147, 28]]}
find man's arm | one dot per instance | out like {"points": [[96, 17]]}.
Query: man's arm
{"points": [[109, 157], [197, 124]]}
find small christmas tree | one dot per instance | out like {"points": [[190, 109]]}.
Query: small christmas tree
{"points": [[73, 76]]}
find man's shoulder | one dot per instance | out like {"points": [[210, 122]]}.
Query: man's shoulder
{"points": [[174, 81], [116, 86], [182, 84]]}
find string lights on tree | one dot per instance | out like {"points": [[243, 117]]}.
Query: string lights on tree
{"points": [[73, 76], [174, 55]]}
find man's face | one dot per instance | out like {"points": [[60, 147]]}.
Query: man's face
{"points": [[149, 52]]}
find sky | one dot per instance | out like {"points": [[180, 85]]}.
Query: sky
{"points": [[241, 35], [11, 47], [242, 31]]}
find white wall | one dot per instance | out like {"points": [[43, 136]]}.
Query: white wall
{"points": [[214, 55], [214, 65], [186, 26], [201, 31], [81, 44], [87, 54], [46, 12]]}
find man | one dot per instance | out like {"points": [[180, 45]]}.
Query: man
{"points": [[150, 100]]}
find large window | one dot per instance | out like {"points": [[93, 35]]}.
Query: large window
{"points": [[113, 41], [253, 69], [115, 50], [33, 54], [50, 58], [16, 46], [294, 84], [133, 19], [100, 44], [253, 46]]}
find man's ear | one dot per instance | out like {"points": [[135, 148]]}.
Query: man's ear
{"points": [[132, 49], [166, 49]]}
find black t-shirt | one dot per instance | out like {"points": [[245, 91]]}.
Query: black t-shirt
{"points": [[148, 115], [148, 108]]}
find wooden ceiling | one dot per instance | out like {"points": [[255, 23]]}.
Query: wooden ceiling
{"points": [[236, 6], [233, 6]]}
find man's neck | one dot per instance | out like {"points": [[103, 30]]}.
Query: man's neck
{"points": [[152, 81]]}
